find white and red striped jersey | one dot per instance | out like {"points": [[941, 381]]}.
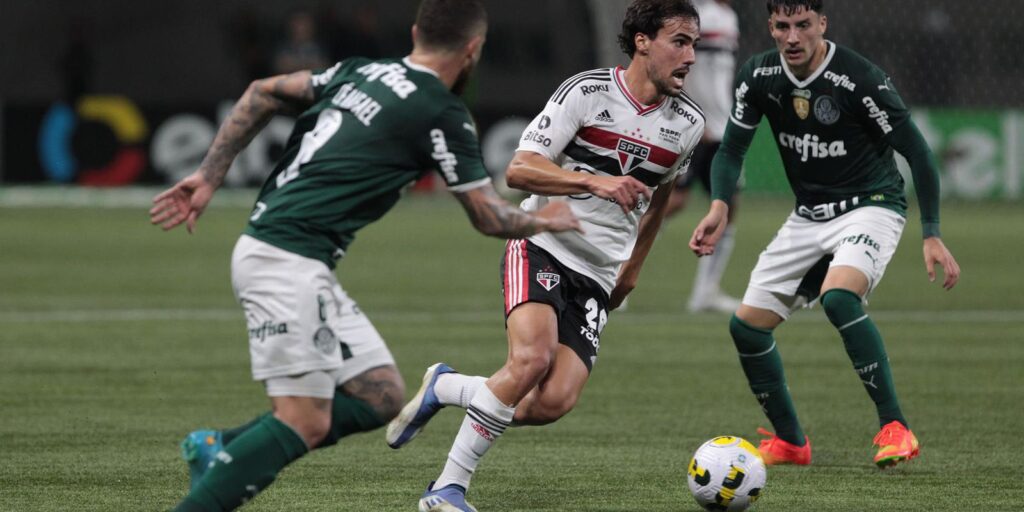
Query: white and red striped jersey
{"points": [[710, 82], [592, 123]]}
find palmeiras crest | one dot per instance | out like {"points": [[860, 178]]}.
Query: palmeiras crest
{"points": [[548, 280], [631, 154]]}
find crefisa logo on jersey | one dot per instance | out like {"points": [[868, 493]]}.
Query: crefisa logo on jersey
{"points": [[548, 280], [631, 154]]}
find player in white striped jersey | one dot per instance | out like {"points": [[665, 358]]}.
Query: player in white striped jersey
{"points": [[609, 144], [712, 87]]}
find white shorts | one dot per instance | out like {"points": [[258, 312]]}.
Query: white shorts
{"points": [[300, 321], [865, 238]]}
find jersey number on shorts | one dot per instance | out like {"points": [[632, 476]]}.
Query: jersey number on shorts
{"points": [[327, 124], [596, 318]]}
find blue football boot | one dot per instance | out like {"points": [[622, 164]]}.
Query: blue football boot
{"points": [[419, 410], [199, 449], [450, 498]]}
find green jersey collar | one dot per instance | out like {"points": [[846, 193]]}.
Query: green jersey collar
{"points": [[816, 74]]}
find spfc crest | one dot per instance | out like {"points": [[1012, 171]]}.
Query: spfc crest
{"points": [[548, 280], [631, 154], [802, 103]]}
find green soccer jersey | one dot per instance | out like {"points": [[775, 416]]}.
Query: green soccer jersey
{"points": [[374, 128], [832, 129]]}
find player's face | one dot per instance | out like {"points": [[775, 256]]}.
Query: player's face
{"points": [[798, 35], [670, 54]]}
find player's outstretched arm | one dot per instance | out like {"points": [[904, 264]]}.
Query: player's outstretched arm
{"points": [[186, 200], [650, 224], [935, 252], [494, 216], [534, 173]]}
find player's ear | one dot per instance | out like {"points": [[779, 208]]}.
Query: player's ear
{"points": [[643, 43], [474, 47], [824, 23]]}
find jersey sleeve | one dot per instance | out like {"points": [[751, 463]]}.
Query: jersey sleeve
{"points": [[452, 144], [322, 77], [879, 106], [745, 112], [682, 164], [552, 130]]}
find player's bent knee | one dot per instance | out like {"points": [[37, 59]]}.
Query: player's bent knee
{"points": [[529, 364], [312, 425], [839, 304], [382, 388]]}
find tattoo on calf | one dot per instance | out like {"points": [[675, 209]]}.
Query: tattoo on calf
{"points": [[380, 387]]}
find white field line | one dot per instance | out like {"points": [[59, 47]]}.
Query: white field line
{"points": [[965, 316]]}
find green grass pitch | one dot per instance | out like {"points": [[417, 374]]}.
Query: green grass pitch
{"points": [[117, 339]]}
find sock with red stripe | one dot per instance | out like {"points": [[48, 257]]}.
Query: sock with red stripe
{"points": [[486, 419]]}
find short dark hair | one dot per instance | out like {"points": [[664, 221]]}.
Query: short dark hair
{"points": [[648, 16], [448, 24], [788, 7]]}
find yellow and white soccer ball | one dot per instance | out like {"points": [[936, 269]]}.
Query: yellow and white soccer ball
{"points": [[726, 473]]}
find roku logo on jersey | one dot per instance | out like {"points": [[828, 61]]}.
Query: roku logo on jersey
{"points": [[590, 89], [880, 116], [809, 146], [391, 75], [679, 110], [445, 159]]}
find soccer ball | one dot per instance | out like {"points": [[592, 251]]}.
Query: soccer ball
{"points": [[726, 473]]}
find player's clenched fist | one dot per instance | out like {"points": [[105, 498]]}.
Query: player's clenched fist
{"points": [[559, 217], [624, 190]]}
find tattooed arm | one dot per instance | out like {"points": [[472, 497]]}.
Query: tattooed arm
{"points": [[185, 201], [493, 216]]}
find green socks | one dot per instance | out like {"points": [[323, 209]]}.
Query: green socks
{"points": [[229, 434], [762, 364], [349, 416], [246, 466], [866, 350]]}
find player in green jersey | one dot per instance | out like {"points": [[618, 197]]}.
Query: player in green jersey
{"points": [[836, 119], [365, 130]]}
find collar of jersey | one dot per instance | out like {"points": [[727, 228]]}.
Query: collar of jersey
{"points": [[641, 109], [816, 74], [411, 65]]}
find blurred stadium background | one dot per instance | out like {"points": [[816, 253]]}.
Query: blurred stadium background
{"points": [[116, 339]]}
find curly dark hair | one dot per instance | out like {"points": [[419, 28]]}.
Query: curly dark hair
{"points": [[648, 16], [788, 7], [449, 24]]}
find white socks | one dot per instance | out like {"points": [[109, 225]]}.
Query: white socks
{"points": [[457, 389], [486, 419], [710, 268]]}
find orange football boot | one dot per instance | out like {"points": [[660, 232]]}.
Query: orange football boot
{"points": [[896, 444], [777, 451]]}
